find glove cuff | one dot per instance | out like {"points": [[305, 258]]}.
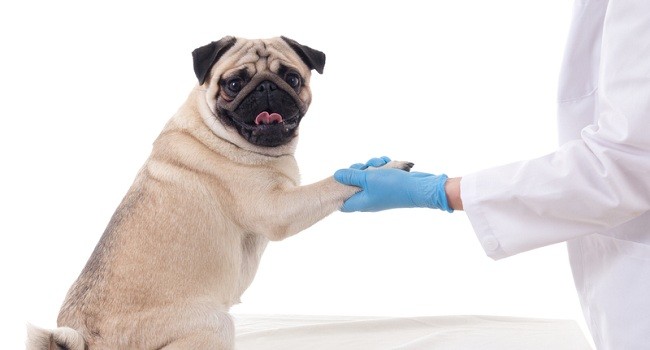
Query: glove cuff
{"points": [[439, 198]]}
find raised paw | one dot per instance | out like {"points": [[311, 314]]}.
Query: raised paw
{"points": [[396, 164]]}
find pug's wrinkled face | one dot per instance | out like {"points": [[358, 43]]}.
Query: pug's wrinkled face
{"points": [[258, 88]]}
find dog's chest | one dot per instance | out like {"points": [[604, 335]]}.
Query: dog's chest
{"points": [[252, 247]]}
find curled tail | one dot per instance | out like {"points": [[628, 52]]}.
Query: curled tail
{"points": [[62, 338]]}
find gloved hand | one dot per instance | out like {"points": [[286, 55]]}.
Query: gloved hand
{"points": [[383, 189]]}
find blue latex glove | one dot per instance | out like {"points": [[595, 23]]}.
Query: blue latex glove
{"points": [[383, 189]]}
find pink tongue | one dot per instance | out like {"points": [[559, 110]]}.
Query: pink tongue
{"points": [[266, 118]]}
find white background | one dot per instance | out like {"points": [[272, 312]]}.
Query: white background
{"points": [[454, 86]]}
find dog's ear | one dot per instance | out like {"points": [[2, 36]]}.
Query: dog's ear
{"points": [[314, 59], [206, 56]]}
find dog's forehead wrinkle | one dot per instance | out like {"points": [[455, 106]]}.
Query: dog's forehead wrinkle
{"points": [[243, 68], [244, 72], [262, 64], [262, 52]]}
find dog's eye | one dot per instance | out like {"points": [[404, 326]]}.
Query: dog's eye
{"points": [[293, 80], [235, 84]]}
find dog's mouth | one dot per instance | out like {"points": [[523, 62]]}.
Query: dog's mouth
{"points": [[267, 129]]}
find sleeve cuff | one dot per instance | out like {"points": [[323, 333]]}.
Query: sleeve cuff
{"points": [[484, 232]]}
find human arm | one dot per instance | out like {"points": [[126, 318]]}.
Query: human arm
{"points": [[599, 177], [452, 191]]}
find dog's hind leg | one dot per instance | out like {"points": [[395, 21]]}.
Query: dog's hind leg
{"points": [[62, 338], [218, 336], [204, 340]]}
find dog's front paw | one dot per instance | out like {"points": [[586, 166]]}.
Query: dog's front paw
{"points": [[398, 164]]}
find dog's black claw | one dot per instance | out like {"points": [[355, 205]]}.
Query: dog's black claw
{"points": [[407, 166]]}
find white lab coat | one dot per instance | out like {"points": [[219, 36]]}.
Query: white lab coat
{"points": [[594, 191]]}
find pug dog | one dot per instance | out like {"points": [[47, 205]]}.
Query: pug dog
{"points": [[220, 183]]}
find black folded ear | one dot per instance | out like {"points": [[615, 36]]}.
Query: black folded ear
{"points": [[206, 56], [314, 59]]}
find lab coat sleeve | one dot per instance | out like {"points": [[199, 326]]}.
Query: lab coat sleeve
{"points": [[590, 184]]}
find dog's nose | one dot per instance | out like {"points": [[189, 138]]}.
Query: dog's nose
{"points": [[266, 86]]}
